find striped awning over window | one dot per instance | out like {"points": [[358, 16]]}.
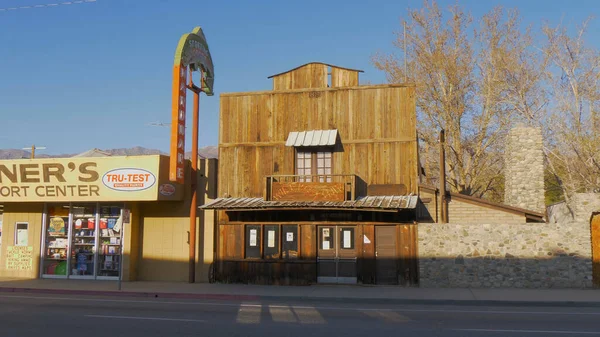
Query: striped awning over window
{"points": [[312, 138]]}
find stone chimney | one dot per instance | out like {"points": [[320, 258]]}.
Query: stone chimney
{"points": [[524, 171]]}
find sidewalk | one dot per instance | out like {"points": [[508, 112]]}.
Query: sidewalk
{"points": [[240, 292]]}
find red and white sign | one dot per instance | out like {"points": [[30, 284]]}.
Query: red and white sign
{"points": [[166, 189], [129, 179]]}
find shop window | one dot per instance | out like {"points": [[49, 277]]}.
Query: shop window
{"points": [[289, 245], [271, 242], [347, 238], [83, 239], [110, 225], [56, 240], [22, 234], [253, 242]]}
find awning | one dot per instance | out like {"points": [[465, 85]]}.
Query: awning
{"points": [[376, 203], [312, 138]]}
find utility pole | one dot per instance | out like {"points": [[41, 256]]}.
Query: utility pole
{"points": [[33, 148], [444, 204]]}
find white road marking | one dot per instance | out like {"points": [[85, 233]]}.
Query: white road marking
{"points": [[388, 316], [279, 314], [238, 305], [147, 318], [309, 315], [533, 331], [248, 315]]}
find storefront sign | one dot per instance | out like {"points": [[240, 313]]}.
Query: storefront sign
{"points": [[166, 189], [19, 257], [129, 179], [192, 53], [82, 179]]}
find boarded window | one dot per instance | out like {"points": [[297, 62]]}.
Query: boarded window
{"points": [[271, 242], [253, 242], [290, 241]]}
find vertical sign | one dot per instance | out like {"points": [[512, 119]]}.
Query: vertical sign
{"points": [[192, 54], [178, 124]]}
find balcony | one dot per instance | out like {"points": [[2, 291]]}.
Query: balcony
{"points": [[332, 187]]}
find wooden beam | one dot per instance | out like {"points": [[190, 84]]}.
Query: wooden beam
{"points": [[360, 87]]}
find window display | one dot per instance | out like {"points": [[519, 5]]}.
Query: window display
{"points": [[109, 254], [83, 240], [57, 241]]}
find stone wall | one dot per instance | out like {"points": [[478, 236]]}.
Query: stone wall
{"points": [[531, 255], [524, 171]]}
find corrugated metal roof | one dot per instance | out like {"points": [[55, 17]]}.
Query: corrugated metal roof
{"points": [[391, 202], [312, 138]]}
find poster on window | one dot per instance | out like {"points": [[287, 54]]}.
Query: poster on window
{"points": [[253, 238], [325, 245], [325, 232], [347, 239], [289, 237], [271, 239]]}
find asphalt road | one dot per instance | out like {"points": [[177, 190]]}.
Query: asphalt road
{"points": [[29, 315]]}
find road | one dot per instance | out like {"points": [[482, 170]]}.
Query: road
{"points": [[29, 315]]}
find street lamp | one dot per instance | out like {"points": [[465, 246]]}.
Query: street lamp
{"points": [[33, 148]]}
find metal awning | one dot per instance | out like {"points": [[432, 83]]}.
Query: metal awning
{"points": [[312, 138], [377, 203]]}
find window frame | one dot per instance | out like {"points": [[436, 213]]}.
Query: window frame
{"points": [[314, 163], [262, 242]]}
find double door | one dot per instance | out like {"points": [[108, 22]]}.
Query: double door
{"points": [[336, 254]]}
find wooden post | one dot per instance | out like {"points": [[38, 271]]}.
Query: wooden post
{"points": [[444, 206], [32, 151]]}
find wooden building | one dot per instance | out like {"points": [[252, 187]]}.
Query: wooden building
{"points": [[318, 181]]}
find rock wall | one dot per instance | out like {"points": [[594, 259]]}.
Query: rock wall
{"points": [[502, 256], [524, 170]]}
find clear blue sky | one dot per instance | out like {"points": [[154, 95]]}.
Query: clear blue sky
{"points": [[93, 75]]}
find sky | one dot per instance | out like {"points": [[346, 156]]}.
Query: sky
{"points": [[95, 75]]}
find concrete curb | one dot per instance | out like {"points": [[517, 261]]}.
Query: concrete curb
{"points": [[114, 293], [275, 298]]}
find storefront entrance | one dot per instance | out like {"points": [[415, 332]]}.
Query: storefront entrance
{"points": [[337, 254], [82, 241]]}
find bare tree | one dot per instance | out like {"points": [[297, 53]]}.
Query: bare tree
{"points": [[573, 150], [471, 85]]}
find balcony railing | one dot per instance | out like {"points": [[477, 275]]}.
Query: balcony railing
{"points": [[330, 187]]}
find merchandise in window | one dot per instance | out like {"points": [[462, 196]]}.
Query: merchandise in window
{"points": [[57, 240]]}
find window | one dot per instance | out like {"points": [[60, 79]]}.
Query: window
{"points": [[310, 163], [253, 242], [347, 238], [289, 244], [271, 242], [22, 234]]}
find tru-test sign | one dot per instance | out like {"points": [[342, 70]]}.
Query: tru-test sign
{"points": [[82, 179], [192, 54]]}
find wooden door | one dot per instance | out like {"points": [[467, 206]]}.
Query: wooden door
{"points": [[336, 254], [385, 255], [595, 228]]}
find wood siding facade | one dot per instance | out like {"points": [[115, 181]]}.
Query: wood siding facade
{"points": [[376, 143], [376, 126]]}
